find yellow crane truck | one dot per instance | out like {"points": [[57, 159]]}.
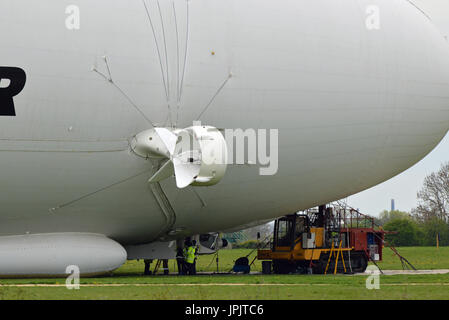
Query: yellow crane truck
{"points": [[330, 240]]}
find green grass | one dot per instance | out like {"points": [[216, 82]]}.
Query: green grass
{"points": [[427, 258], [255, 287], [136, 286], [329, 292]]}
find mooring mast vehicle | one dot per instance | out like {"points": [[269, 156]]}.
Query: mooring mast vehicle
{"points": [[330, 240]]}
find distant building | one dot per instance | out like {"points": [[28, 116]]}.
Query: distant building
{"points": [[392, 205]]}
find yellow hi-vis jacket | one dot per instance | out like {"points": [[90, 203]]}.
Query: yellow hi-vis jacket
{"points": [[190, 254]]}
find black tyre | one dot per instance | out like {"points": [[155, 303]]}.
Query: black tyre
{"points": [[266, 267], [283, 267], [359, 262], [355, 262]]}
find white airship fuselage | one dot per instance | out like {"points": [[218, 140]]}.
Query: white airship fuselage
{"points": [[358, 91]]}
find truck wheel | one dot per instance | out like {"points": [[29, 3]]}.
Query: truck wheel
{"points": [[359, 262], [319, 266], [283, 267], [266, 267], [363, 264]]}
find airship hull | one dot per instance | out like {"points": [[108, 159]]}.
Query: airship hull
{"points": [[353, 106]]}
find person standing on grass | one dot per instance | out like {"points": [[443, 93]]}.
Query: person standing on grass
{"points": [[195, 247], [180, 261], [147, 271], [189, 256]]}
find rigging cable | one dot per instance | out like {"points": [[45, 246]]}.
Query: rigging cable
{"points": [[52, 210], [157, 48], [166, 63], [124, 94], [214, 96], [181, 87]]}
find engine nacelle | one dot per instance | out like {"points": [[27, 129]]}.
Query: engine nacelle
{"points": [[211, 242], [212, 155], [196, 155]]}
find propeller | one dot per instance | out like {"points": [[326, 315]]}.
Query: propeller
{"points": [[195, 156]]}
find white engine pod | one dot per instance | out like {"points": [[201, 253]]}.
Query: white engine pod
{"points": [[196, 155], [214, 155], [149, 144], [50, 254]]}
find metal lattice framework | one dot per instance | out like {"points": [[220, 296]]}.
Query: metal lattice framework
{"points": [[236, 237]]}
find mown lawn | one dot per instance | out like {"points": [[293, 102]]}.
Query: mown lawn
{"points": [[317, 287], [133, 285], [424, 258]]}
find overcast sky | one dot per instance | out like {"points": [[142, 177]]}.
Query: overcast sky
{"points": [[403, 188]]}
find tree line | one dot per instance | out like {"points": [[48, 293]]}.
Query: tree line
{"points": [[426, 222]]}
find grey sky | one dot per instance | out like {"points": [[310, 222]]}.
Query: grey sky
{"points": [[403, 188]]}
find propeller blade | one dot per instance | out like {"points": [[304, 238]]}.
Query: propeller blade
{"points": [[166, 171], [186, 168], [168, 138]]}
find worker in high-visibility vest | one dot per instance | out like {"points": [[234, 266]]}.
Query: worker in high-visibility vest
{"points": [[185, 265], [189, 256]]}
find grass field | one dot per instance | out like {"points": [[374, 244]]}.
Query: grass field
{"points": [[128, 282]]}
